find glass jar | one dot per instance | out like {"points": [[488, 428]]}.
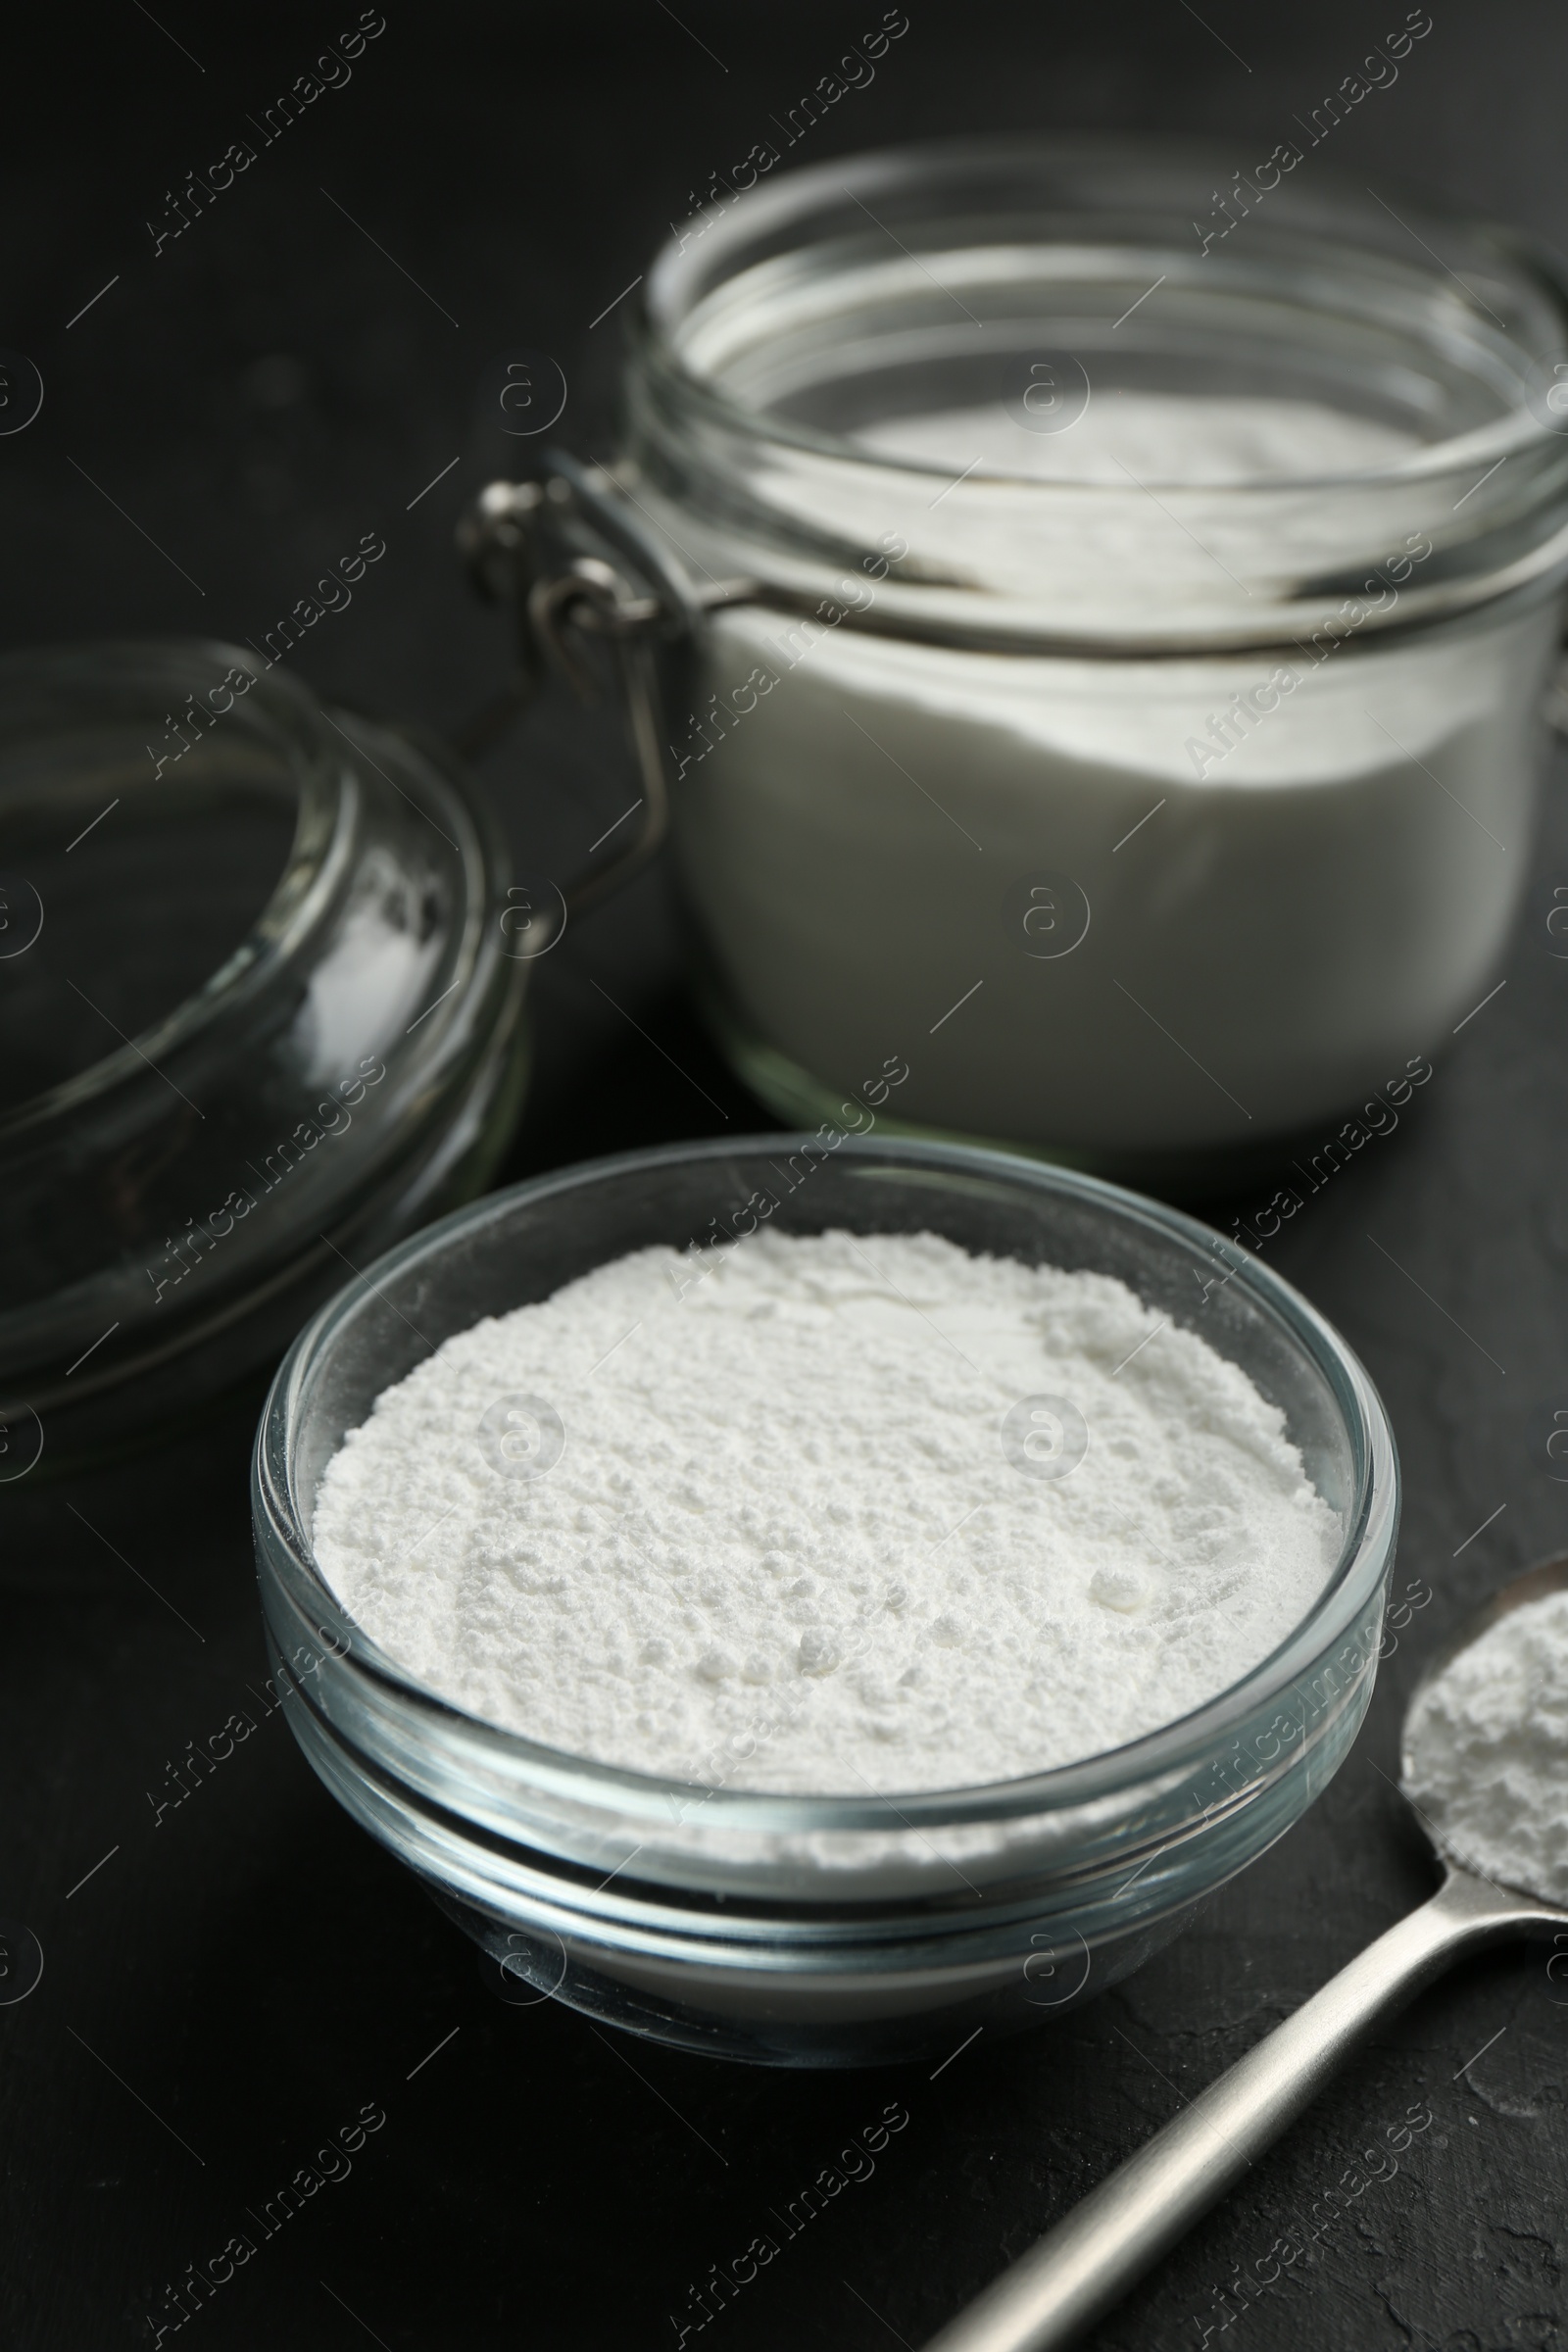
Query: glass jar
{"points": [[259, 1014], [1104, 628]]}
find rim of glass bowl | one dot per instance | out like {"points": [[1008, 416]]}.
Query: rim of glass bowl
{"points": [[320, 769], [1363, 1561], [766, 213]]}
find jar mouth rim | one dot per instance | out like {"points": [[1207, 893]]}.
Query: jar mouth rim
{"points": [[675, 282], [1371, 1522], [318, 778]]}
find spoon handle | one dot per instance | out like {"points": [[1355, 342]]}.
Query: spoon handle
{"points": [[1092, 2258]]}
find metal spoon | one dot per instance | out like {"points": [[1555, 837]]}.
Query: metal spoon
{"points": [[1090, 2260]]}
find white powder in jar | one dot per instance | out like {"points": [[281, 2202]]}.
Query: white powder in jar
{"points": [[1486, 1751], [1159, 437], [825, 1514], [1270, 877]]}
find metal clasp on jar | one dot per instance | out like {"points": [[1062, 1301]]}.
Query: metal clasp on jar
{"points": [[588, 592]]}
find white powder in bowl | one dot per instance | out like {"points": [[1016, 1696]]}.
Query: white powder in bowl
{"points": [[825, 1514], [1486, 1751]]}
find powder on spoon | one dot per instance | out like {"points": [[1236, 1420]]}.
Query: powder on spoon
{"points": [[1486, 1751], [825, 1512]]}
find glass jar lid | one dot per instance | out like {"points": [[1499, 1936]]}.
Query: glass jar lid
{"points": [[257, 1018]]}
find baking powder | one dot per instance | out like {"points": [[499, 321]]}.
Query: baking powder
{"points": [[1486, 1751], [826, 1513]]}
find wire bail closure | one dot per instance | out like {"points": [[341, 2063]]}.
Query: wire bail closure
{"points": [[529, 545]]}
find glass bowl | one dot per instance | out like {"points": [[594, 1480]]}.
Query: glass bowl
{"points": [[833, 1930], [259, 1014]]}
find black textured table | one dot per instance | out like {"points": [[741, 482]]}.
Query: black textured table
{"points": [[242, 1990]]}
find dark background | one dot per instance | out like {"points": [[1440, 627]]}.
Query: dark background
{"points": [[230, 1986]]}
